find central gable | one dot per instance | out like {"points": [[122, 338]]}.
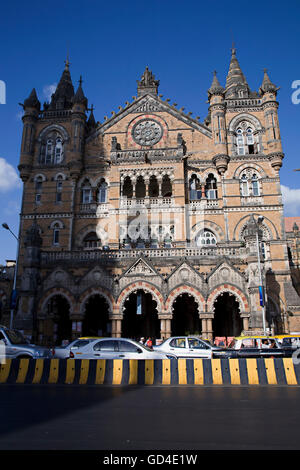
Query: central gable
{"points": [[148, 105]]}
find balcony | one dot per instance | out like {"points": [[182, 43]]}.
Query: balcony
{"points": [[74, 257], [204, 204]]}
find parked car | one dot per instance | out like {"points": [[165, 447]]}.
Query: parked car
{"points": [[63, 352], [191, 347], [290, 343], [117, 348], [14, 345], [258, 346]]}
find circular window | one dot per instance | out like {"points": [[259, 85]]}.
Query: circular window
{"points": [[147, 132]]}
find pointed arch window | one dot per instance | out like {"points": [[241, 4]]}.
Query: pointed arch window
{"points": [[56, 233], [86, 193], [38, 189], [211, 187], [102, 192], [249, 184], [52, 149], [195, 188], [59, 187], [246, 140]]}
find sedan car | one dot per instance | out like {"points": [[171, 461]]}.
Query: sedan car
{"points": [[13, 345], [191, 347], [117, 348], [63, 352], [258, 346]]}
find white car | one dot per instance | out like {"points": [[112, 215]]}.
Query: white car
{"points": [[13, 345], [190, 347], [117, 348], [63, 352]]}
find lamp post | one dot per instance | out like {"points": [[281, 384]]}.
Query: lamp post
{"points": [[15, 276], [261, 287]]}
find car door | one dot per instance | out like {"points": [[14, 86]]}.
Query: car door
{"points": [[198, 348], [128, 350], [179, 347], [249, 348], [106, 349]]}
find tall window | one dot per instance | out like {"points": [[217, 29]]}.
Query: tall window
{"points": [[91, 241], [38, 189], [249, 184], [211, 187], [56, 232], [86, 193], [195, 188], [59, 185], [246, 142], [52, 149], [102, 192]]}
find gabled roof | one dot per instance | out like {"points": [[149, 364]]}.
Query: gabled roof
{"points": [[150, 103]]}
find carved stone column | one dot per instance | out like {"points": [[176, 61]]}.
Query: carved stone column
{"points": [[116, 325], [245, 318], [207, 319], [165, 326]]}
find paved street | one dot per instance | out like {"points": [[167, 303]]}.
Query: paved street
{"points": [[110, 418]]}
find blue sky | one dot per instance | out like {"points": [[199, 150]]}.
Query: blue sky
{"points": [[110, 43]]}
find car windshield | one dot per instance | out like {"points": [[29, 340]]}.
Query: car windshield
{"points": [[16, 337]]}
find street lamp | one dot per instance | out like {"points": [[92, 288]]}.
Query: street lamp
{"points": [[261, 288], [15, 276]]}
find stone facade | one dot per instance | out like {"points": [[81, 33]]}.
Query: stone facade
{"points": [[153, 206]]}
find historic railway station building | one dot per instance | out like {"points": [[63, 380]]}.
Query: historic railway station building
{"points": [[152, 222]]}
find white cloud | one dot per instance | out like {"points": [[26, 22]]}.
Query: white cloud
{"points": [[291, 200], [48, 90], [8, 177]]}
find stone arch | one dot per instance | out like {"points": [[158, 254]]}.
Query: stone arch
{"points": [[52, 293], [185, 289], [244, 117], [96, 291], [238, 229], [53, 127], [140, 285], [209, 225], [232, 290], [239, 170]]}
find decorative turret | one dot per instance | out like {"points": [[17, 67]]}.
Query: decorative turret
{"points": [[32, 101], [147, 84], [215, 88], [62, 98], [218, 125], [79, 97], [91, 123], [31, 107], [267, 86]]}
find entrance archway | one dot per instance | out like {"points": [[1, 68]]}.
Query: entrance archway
{"points": [[96, 320], [140, 316], [227, 320], [185, 319], [59, 309]]}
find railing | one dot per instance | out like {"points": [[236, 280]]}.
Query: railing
{"points": [[204, 203], [48, 257], [143, 154], [146, 201], [244, 102], [55, 113], [251, 200], [94, 207]]}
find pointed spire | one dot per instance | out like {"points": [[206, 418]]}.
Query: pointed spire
{"points": [[79, 97], [32, 101], [91, 121], [235, 79], [215, 88], [267, 86], [64, 93], [147, 84]]}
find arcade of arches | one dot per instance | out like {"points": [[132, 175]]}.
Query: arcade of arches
{"points": [[141, 318]]}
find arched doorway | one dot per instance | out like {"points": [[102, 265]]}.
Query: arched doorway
{"points": [[140, 317], [96, 320], [227, 320], [59, 309], [185, 319]]}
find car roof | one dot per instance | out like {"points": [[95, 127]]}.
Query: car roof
{"points": [[287, 336], [255, 337]]}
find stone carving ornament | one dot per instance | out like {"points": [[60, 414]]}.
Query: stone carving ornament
{"points": [[147, 132]]}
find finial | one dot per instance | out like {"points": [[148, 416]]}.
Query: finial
{"points": [[67, 62], [80, 80]]}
